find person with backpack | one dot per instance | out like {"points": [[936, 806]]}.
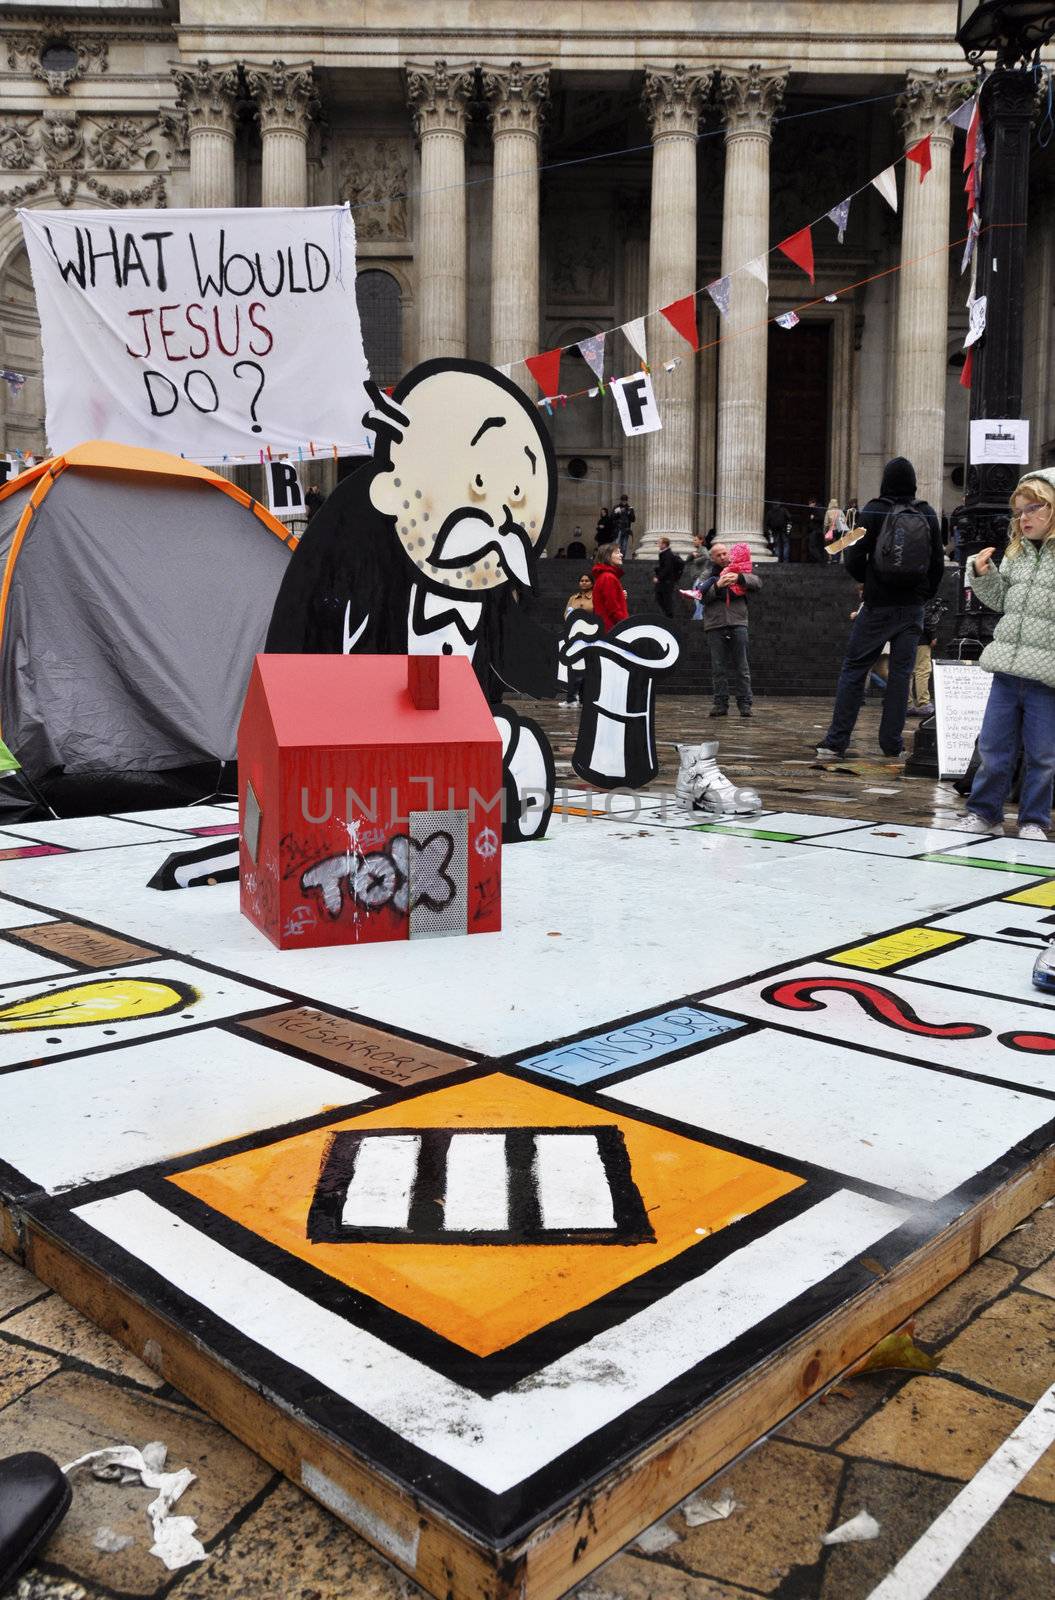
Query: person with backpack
{"points": [[899, 560]]}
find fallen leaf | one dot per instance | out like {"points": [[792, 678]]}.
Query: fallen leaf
{"points": [[898, 1350], [553, 936], [874, 1266], [863, 1526]]}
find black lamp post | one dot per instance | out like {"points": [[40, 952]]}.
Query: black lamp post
{"points": [[1016, 30]]}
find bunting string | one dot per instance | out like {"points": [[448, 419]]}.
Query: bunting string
{"points": [[796, 247]]}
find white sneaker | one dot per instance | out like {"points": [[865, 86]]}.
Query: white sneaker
{"points": [[1032, 830], [972, 823]]}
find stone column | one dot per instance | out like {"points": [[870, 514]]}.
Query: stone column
{"points": [[750, 100], [286, 98], [635, 303], [673, 101], [438, 97], [516, 96], [209, 94], [921, 349]]}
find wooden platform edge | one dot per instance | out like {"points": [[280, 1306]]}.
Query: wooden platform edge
{"points": [[559, 1553]]}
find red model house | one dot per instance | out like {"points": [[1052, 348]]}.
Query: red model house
{"points": [[370, 799]]}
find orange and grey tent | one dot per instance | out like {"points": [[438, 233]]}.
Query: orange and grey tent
{"points": [[136, 589]]}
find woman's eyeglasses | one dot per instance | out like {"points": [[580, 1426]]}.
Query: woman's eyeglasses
{"points": [[1032, 508]]}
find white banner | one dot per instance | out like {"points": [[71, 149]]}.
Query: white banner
{"points": [[961, 692], [212, 334], [635, 401], [285, 493]]}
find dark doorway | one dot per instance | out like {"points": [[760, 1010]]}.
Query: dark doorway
{"points": [[797, 420]]}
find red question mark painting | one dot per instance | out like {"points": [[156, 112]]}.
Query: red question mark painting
{"points": [[798, 994]]}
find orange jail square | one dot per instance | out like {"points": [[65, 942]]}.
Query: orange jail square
{"points": [[500, 1281]]}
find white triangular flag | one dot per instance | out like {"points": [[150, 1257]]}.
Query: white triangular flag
{"points": [[886, 183], [506, 368], [961, 117], [592, 352], [788, 320], [840, 215], [635, 334], [720, 291], [759, 268]]}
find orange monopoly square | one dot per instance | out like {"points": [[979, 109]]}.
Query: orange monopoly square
{"points": [[487, 1209]]}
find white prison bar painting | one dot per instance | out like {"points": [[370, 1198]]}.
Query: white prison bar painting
{"points": [[485, 1186]]}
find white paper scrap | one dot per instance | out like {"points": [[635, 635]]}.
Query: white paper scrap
{"points": [[863, 1526], [698, 1511], [658, 1537], [174, 1540]]}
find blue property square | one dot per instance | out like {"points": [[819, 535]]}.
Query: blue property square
{"points": [[601, 1054]]}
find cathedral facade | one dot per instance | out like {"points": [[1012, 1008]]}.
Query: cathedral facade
{"points": [[529, 173]]}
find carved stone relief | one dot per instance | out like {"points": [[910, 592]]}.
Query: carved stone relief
{"points": [[121, 142], [61, 138], [373, 175], [84, 53], [17, 144]]}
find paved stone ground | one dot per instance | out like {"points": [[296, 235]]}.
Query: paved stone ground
{"points": [[898, 1444]]}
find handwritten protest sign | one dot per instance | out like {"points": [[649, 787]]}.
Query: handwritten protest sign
{"points": [[216, 334], [961, 691]]}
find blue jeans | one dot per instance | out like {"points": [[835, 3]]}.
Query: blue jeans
{"points": [[728, 647], [873, 626], [1020, 711], [782, 546]]}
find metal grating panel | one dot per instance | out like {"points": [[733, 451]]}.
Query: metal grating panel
{"points": [[437, 873]]}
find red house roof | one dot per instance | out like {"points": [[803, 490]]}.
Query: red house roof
{"points": [[330, 700]]}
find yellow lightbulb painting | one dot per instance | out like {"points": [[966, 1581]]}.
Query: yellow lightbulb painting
{"points": [[80, 1005]]}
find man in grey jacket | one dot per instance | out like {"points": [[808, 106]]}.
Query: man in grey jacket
{"points": [[724, 596]]}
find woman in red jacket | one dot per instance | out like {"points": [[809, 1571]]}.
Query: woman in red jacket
{"points": [[609, 596]]}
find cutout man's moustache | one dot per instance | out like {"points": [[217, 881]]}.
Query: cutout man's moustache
{"points": [[467, 538]]}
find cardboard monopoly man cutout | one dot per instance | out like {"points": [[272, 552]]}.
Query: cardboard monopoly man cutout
{"points": [[431, 549]]}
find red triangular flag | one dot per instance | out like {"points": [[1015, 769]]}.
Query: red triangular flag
{"points": [[920, 153], [681, 314], [545, 369], [965, 373], [798, 247]]}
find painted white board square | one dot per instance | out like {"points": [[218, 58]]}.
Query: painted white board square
{"points": [[65, 1031], [184, 819], [1001, 919], [86, 833], [1020, 852], [18, 965], [863, 1115], [804, 824], [892, 839], [992, 966], [12, 915], [91, 1117], [839, 1015]]}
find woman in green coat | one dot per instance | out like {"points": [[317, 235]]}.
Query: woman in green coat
{"points": [[1021, 657]]}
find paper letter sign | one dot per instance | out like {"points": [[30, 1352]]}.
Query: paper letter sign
{"points": [[213, 334], [636, 403], [285, 496]]}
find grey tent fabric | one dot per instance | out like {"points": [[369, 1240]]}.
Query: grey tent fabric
{"points": [[137, 604]]}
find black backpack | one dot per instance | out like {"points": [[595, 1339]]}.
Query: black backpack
{"points": [[903, 547]]}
